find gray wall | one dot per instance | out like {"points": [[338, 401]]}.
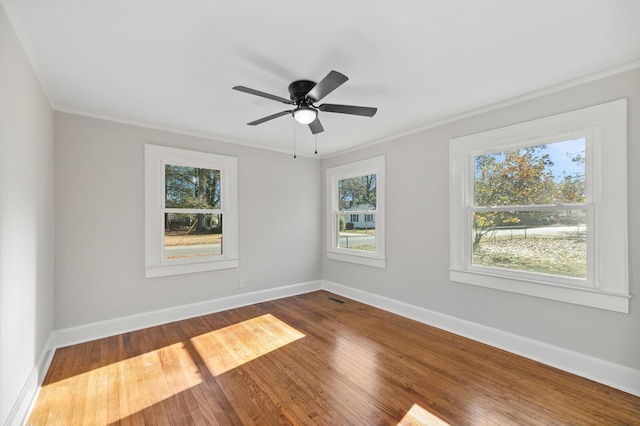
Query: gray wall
{"points": [[417, 250], [100, 222], [26, 219]]}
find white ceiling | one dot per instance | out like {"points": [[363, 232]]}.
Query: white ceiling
{"points": [[172, 64]]}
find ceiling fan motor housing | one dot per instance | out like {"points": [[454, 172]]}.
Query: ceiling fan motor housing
{"points": [[298, 91]]}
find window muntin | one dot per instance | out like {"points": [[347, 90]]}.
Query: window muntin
{"points": [[603, 210], [191, 202], [355, 217]]}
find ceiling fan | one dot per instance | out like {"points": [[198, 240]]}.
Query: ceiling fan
{"points": [[304, 94]]}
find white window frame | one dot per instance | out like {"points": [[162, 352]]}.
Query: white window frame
{"points": [[375, 166], [607, 282], [156, 157]]}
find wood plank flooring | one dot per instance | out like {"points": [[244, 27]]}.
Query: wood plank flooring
{"points": [[311, 360]]}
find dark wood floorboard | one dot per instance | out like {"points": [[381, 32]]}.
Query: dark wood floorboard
{"points": [[309, 360]]}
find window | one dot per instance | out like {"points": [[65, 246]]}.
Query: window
{"points": [[540, 208], [190, 211], [355, 212]]}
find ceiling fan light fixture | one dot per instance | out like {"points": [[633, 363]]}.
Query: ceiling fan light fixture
{"points": [[305, 115]]}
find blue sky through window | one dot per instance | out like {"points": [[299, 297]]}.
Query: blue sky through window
{"points": [[561, 154]]}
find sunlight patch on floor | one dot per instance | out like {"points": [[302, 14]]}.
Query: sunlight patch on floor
{"points": [[134, 384], [418, 416], [167, 371], [230, 347]]}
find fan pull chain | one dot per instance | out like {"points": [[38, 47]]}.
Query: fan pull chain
{"points": [[316, 135], [294, 141]]}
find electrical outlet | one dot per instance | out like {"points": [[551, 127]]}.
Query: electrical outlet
{"points": [[241, 283]]}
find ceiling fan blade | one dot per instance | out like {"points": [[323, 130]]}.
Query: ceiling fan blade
{"points": [[316, 126], [263, 94], [331, 82], [349, 109], [269, 117]]}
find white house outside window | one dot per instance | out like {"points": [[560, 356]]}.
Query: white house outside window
{"points": [[355, 215], [540, 208], [191, 211]]}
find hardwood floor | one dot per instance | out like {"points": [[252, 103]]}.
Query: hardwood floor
{"points": [[310, 359]]}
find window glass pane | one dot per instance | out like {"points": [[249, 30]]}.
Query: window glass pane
{"points": [[191, 187], [189, 235], [552, 173], [357, 235], [546, 242], [357, 193]]}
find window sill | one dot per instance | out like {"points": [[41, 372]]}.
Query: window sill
{"points": [[578, 296], [187, 268], [362, 259]]}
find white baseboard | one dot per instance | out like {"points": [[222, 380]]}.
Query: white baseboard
{"points": [[98, 330], [617, 376], [22, 407]]}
